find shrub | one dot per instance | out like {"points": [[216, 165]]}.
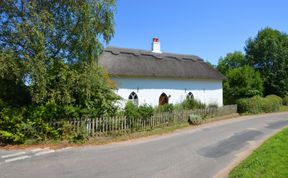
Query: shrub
{"points": [[250, 105], [194, 119], [192, 104], [275, 99], [271, 103], [178, 107], [166, 108], [131, 110], [69, 133], [285, 100], [12, 127], [146, 111], [259, 104]]}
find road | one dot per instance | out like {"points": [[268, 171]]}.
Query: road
{"points": [[194, 152]]}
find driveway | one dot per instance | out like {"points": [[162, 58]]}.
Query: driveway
{"points": [[195, 152]]}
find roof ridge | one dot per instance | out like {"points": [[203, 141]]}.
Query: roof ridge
{"points": [[118, 50]]}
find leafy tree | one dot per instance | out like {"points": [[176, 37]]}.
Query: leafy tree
{"points": [[242, 82], [13, 90], [268, 54], [231, 61], [52, 47]]}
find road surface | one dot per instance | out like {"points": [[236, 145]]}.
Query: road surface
{"points": [[193, 152]]}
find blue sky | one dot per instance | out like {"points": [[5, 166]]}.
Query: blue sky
{"points": [[207, 28]]}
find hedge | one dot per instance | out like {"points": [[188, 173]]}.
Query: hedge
{"points": [[285, 100], [257, 104]]}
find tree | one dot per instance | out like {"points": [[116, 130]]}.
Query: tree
{"points": [[13, 90], [231, 61], [56, 45], [242, 82], [268, 54]]}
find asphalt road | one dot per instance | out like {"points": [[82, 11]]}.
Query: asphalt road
{"points": [[194, 152]]}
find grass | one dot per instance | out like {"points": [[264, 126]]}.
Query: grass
{"points": [[268, 161]]}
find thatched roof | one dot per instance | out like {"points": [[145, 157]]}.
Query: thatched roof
{"points": [[140, 63]]}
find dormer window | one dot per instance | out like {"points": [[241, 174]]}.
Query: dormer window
{"points": [[133, 98]]}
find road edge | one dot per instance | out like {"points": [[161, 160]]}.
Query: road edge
{"points": [[224, 173]]}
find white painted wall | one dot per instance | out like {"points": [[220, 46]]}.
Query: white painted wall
{"points": [[150, 89]]}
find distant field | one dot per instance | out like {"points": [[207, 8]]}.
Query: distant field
{"points": [[268, 161]]}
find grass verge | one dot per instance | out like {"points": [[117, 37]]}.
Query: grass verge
{"points": [[269, 160]]}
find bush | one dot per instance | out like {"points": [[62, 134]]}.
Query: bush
{"points": [[257, 104], [69, 133], [12, 126], [275, 99], [17, 125], [131, 110], [166, 108], [285, 101], [194, 119], [192, 104], [250, 105], [271, 103], [146, 111]]}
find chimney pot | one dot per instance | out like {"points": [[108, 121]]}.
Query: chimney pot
{"points": [[155, 39]]}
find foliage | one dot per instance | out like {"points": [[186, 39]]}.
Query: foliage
{"points": [[191, 103], [269, 160], [13, 90], [231, 61], [12, 127], [268, 54], [165, 108], [285, 100], [132, 111], [257, 104], [48, 65], [146, 111], [194, 119], [69, 133], [242, 82], [271, 103], [52, 47]]}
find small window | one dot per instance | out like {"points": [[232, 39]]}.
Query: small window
{"points": [[190, 95], [133, 98], [163, 99]]}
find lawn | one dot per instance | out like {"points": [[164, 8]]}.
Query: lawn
{"points": [[269, 160]]}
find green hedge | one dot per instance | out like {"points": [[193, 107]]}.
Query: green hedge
{"points": [[285, 100], [257, 104]]}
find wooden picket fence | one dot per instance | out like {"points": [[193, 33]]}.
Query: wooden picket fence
{"points": [[108, 125]]}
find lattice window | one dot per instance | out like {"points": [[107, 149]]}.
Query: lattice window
{"points": [[133, 98]]}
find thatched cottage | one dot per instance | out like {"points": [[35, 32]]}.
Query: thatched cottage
{"points": [[156, 78]]}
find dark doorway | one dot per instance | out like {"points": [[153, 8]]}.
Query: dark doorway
{"points": [[163, 99]]}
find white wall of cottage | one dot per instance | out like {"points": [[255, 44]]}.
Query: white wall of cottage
{"points": [[149, 90]]}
